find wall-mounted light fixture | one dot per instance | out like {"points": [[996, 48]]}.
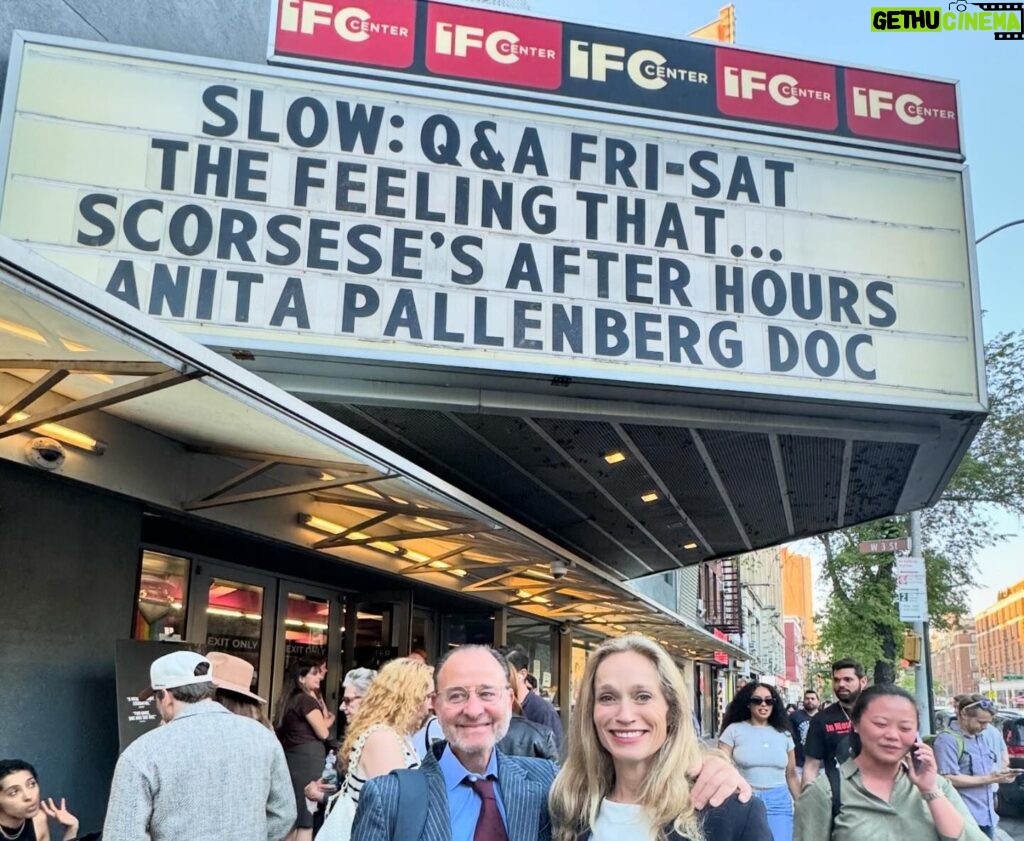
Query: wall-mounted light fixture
{"points": [[65, 435], [320, 524]]}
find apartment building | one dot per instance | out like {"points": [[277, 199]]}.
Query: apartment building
{"points": [[1000, 634], [955, 660]]}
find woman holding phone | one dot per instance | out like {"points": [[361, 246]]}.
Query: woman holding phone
{"points": [[890, 788]]}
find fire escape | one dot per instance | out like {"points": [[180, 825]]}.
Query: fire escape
{"points": [[720, 595]]}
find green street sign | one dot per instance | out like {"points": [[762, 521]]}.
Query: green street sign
{"points": [[1013, 677]]}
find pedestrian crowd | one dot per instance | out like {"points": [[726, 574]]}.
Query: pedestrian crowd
{"points": [[467, 750]]}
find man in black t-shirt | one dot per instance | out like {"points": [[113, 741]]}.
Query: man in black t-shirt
{"points": [[828, 737], [800, 722]]}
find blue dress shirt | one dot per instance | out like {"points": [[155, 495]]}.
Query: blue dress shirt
{"points": [[463, 803]]}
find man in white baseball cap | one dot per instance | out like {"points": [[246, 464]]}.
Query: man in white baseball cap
{"points": [[206, 774]]}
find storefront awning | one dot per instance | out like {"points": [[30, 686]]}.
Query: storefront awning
{"points": [[161, 418]]}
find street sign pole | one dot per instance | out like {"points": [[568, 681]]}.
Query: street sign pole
{"points": [[922, 670]]}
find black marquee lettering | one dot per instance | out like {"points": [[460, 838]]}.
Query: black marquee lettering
{"points": [[203, 224], [610, 337], [243, 295], [105, 227], [168, 290], [480, 335], [783, 349], [122, 283], [524, 268], [132, 218], [726, 352], [818, 340], [295, 118], [742, 181], [212, 97], [853, 362], [441, 331], [404, 316], [291, 304], [475, 268], [358, 301]]}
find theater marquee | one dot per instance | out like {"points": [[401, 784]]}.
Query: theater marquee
{"points": [[267, 210]]}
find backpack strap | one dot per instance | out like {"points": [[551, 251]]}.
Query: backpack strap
{"points": [[412, 805], [835, 784], [961, 745]]}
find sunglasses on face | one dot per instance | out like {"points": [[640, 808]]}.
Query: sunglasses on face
{"points": [[757, 701]]}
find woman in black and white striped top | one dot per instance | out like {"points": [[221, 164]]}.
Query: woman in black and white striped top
{"points": [[379, 738]]}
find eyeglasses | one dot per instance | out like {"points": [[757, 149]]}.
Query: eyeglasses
{"points": [[756, 701], [459, 695], [346, 701], [984, 703]]}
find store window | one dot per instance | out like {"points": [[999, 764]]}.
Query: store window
{"points": [[161, 608]]}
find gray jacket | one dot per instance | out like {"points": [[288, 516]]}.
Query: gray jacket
{"points": [[207, 774]]}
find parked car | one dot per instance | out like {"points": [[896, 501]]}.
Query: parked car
{"points": [[1011, 794]]}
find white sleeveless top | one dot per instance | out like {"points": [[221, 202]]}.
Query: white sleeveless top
{"points": [[356, 776], [619, 821]]}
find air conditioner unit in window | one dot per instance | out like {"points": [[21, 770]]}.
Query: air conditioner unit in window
{"points": [[700, 608]]}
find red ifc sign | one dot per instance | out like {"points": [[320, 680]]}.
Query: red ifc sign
{"points": [[490, 47], [377, 32], [896, 108], [776, 90]]}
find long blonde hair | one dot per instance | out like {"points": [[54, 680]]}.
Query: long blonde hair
{"points": [[395, 698], [587, 776]]}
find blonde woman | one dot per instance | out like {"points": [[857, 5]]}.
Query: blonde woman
{"points": [[632, 755], [379, 739]]}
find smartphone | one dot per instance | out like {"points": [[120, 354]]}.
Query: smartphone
{"points": [[918, 764]]}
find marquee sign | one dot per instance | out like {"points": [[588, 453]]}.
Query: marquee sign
{"points": [[265, 211], [696, 81]]}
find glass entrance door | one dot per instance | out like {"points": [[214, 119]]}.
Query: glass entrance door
{"points": [[309, 621], [232, 611]]}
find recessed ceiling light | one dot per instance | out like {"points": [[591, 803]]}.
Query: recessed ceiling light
{"points": [[650, 496], [689, 545], [614, 457]]}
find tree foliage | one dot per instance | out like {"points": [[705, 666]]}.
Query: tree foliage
{"points": [[861, 618]]}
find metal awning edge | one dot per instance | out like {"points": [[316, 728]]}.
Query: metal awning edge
{"points": [[52, 285]]}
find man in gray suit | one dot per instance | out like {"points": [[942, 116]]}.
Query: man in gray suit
{"points": [[206, 773], [472, 791]]}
